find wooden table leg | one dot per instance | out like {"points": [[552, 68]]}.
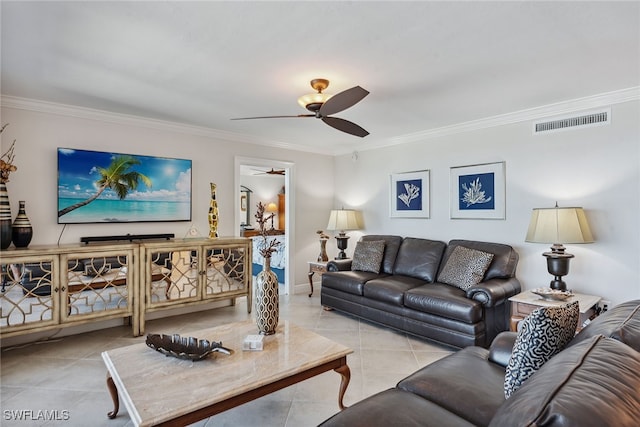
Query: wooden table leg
{"points": [[311, 282], [113, 391], [513, 323], [345, 372]]}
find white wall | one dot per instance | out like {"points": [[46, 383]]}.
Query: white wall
{"points": [[38, 134], [596, 168], [265, 189]]}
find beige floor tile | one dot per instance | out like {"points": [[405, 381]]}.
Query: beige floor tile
{"points": [[68, 373]]}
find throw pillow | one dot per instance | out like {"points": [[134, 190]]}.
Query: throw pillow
{"points": [[367, 256], [465, 267], [543, 334]]}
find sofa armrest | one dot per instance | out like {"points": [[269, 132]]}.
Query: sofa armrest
{"points": [[494, 291], [339, 265], [501, 348]]}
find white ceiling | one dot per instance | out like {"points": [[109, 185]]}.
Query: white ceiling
{"points": [[428, 65]]}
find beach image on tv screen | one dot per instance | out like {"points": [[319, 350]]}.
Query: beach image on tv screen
{"points": [[96, 186]]}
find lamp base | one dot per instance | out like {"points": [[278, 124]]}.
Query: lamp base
{"points": [[342, 239], [558, 284], [558, 266]]}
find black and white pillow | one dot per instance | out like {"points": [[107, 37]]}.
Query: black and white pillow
{"points": [[543, 334], [367, 256], [465, 267]]}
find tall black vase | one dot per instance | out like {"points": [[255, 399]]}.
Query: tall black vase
{"points": [[5, 217], [21, 230]]}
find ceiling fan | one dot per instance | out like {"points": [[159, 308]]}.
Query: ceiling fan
{"points": [[322, 106], [270, 172]]}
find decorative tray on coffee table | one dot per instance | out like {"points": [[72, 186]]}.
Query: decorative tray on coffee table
{"points": [[552, 294], [189, 348]]}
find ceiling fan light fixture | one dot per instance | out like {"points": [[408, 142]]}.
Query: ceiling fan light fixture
{"points": [[313, 101]]}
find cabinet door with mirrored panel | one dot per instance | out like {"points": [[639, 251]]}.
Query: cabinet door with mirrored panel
{"points": [[29, 292]]}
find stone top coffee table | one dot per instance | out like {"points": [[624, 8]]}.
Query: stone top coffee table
{"points": [[162, 390]]}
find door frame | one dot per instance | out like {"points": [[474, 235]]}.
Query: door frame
{"points": [[289, 197]]}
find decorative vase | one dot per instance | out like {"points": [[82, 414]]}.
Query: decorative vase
{"points": [[267, 300], [21, 230], [323, 257], [213, 213], [5, 217]]}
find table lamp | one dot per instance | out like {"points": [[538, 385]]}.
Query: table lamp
{"points": [[342, 220], [272, 208], [557, 226]]}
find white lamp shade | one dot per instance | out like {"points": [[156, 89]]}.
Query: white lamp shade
{"points": [[343, 219], [271, 207], [558, 225]]}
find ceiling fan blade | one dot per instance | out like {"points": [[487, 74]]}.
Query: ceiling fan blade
{"points": [[343, 100], [274, 117], [345, 126]]}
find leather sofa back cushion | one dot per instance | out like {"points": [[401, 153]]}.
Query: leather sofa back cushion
{"points": [[419, 258], [505, 258], [368, 255], [593, 383], [391, 246], [621, 322]]}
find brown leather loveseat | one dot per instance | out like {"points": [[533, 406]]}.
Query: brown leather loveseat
{"points": [[405, 293]]}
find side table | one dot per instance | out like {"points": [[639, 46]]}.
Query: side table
{"points": [[525, 302], [319, 267]]}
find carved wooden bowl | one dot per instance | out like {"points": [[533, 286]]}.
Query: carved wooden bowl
{"points": [[184, 347]]}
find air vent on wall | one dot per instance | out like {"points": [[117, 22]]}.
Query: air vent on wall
{"points": [[595, 118]]}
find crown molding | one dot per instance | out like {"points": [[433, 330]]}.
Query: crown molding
{"points": [[560, 108], [131, 120]]}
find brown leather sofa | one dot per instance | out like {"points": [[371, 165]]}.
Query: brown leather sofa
{"points": [[406, 296], [594, 381]]}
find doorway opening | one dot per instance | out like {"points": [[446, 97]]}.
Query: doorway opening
{"points": [[270, 182]]}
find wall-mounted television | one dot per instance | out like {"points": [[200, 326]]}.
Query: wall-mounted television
{"points": [[102, 187]]}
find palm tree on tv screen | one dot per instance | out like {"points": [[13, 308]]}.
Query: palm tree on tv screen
{"points": [[118, 177]]}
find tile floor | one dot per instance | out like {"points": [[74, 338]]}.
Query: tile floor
{"points": [[67, 375]]}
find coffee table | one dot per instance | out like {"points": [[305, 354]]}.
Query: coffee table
{"points": [[163, 390]]}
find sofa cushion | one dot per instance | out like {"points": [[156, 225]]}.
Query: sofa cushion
{"points": [[593, 383], [368, 255], [419, 258], [543, 334], [351, 282], [444, 301], [465, 383], [391, 246], [621, 322], [391, 289], [395, 407], [465, 267], [505, 258]]}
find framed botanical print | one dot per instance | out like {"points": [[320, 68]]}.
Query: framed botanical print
{"points": [[410, 194], [478, 191]]}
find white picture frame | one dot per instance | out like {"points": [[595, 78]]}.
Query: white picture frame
{"points": [[410, 194], [478, 191]]}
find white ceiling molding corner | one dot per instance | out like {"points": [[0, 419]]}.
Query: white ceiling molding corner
{"points": [[556, 109], [560, 108], [130, 120]]}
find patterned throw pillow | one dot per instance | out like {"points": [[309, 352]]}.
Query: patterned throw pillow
{"points": [[465, 267], [543, 334], [367, 256]]}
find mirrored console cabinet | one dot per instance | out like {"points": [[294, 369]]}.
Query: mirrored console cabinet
{"points": [[50, 287]]}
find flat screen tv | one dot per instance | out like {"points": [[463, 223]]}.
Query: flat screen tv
{"points": [[101, 187]]}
